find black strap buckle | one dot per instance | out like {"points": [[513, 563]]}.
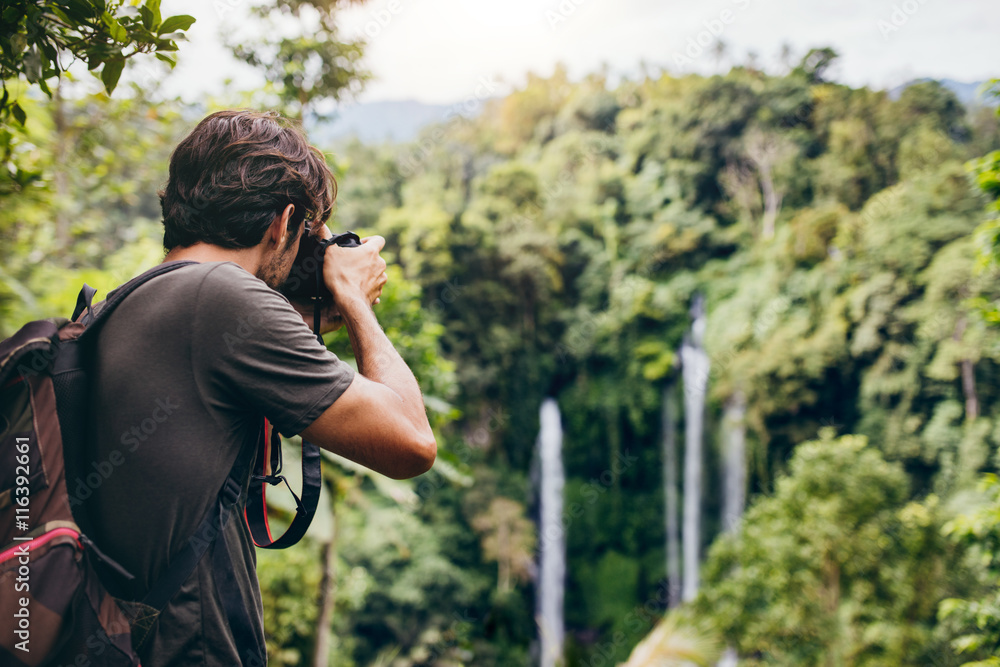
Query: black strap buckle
{"points": [[274, 480]]}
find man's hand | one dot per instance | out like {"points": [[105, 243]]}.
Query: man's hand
{"points": [[330, 319], [355, 275], [380, 420]]}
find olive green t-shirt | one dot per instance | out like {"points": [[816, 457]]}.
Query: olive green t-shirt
{"points": [[188, 366]]}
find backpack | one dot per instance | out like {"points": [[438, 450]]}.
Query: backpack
{"points": [[56, 583]]}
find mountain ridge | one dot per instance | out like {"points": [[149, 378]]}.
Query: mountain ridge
{"points": [[400, 121]]}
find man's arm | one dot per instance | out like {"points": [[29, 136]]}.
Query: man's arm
{"points": [[379, 421]]}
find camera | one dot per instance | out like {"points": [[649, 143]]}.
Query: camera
{"points": [[305, 281]]}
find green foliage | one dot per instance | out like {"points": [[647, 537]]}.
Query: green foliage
{"points": [[976, 621], [36, 35], [815, 63], [986, 171], [835, 567], [90, 210], [309, 65], [561, 254], [415, 603], [289, 580]]}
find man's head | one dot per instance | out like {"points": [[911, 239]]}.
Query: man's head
{"points": [[237, 175]]}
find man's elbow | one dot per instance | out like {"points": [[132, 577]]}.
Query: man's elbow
{"points": [[420, 456]]}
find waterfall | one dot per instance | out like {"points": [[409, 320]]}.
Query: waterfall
{"points": [[670, 495], [552, 568], [735, 460], [694, 363], [734, 483]]}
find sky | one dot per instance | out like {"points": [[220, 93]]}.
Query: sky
{"points": [[443, 51]]}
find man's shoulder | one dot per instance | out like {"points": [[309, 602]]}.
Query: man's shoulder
{"points": [[216, 272], [205, 292], [223, 295], [213, 282]]}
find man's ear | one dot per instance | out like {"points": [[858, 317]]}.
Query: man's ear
{"points": [[278, 232]]}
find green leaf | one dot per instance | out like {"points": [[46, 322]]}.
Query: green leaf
{"points": [[115, 28], [118, 33], [33, 65], [154, 6], [167, 59], [147, 17], [65, 18], [79, 10], [18, 42], [140, 35], [48, 53], [174, 23], [18, 112], [112, 72]]}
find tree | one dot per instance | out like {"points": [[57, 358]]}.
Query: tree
{"points": [[509, 539], [310, 64], [36, 35], [103, 224], [987, 173], [768, 152], [815, 64], [976, 620], [834, 554]]}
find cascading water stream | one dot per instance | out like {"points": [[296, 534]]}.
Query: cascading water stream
{"points": [[552, 565], [695, 368], [670, 495], [734, 483], [735, 460]]}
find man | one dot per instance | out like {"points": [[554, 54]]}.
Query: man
{"points": [[193, 360]]}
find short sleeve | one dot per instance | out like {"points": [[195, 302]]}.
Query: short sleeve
{"points": [[253, 352]]}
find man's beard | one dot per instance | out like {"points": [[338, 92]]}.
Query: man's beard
{"points": [[275, 268]]}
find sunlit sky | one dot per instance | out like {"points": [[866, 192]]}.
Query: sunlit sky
{"points": [[439, 51]]}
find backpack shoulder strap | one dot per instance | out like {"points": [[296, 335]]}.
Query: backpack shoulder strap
{"points": [[71, 372], [93, 319]]}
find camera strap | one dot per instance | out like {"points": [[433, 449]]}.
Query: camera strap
{"points": [[267, 470]]}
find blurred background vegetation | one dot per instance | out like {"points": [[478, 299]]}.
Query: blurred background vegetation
{"points": [[844, 241]]}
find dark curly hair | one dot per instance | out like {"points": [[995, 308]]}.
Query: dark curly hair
{"points": [[235, 172]]}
